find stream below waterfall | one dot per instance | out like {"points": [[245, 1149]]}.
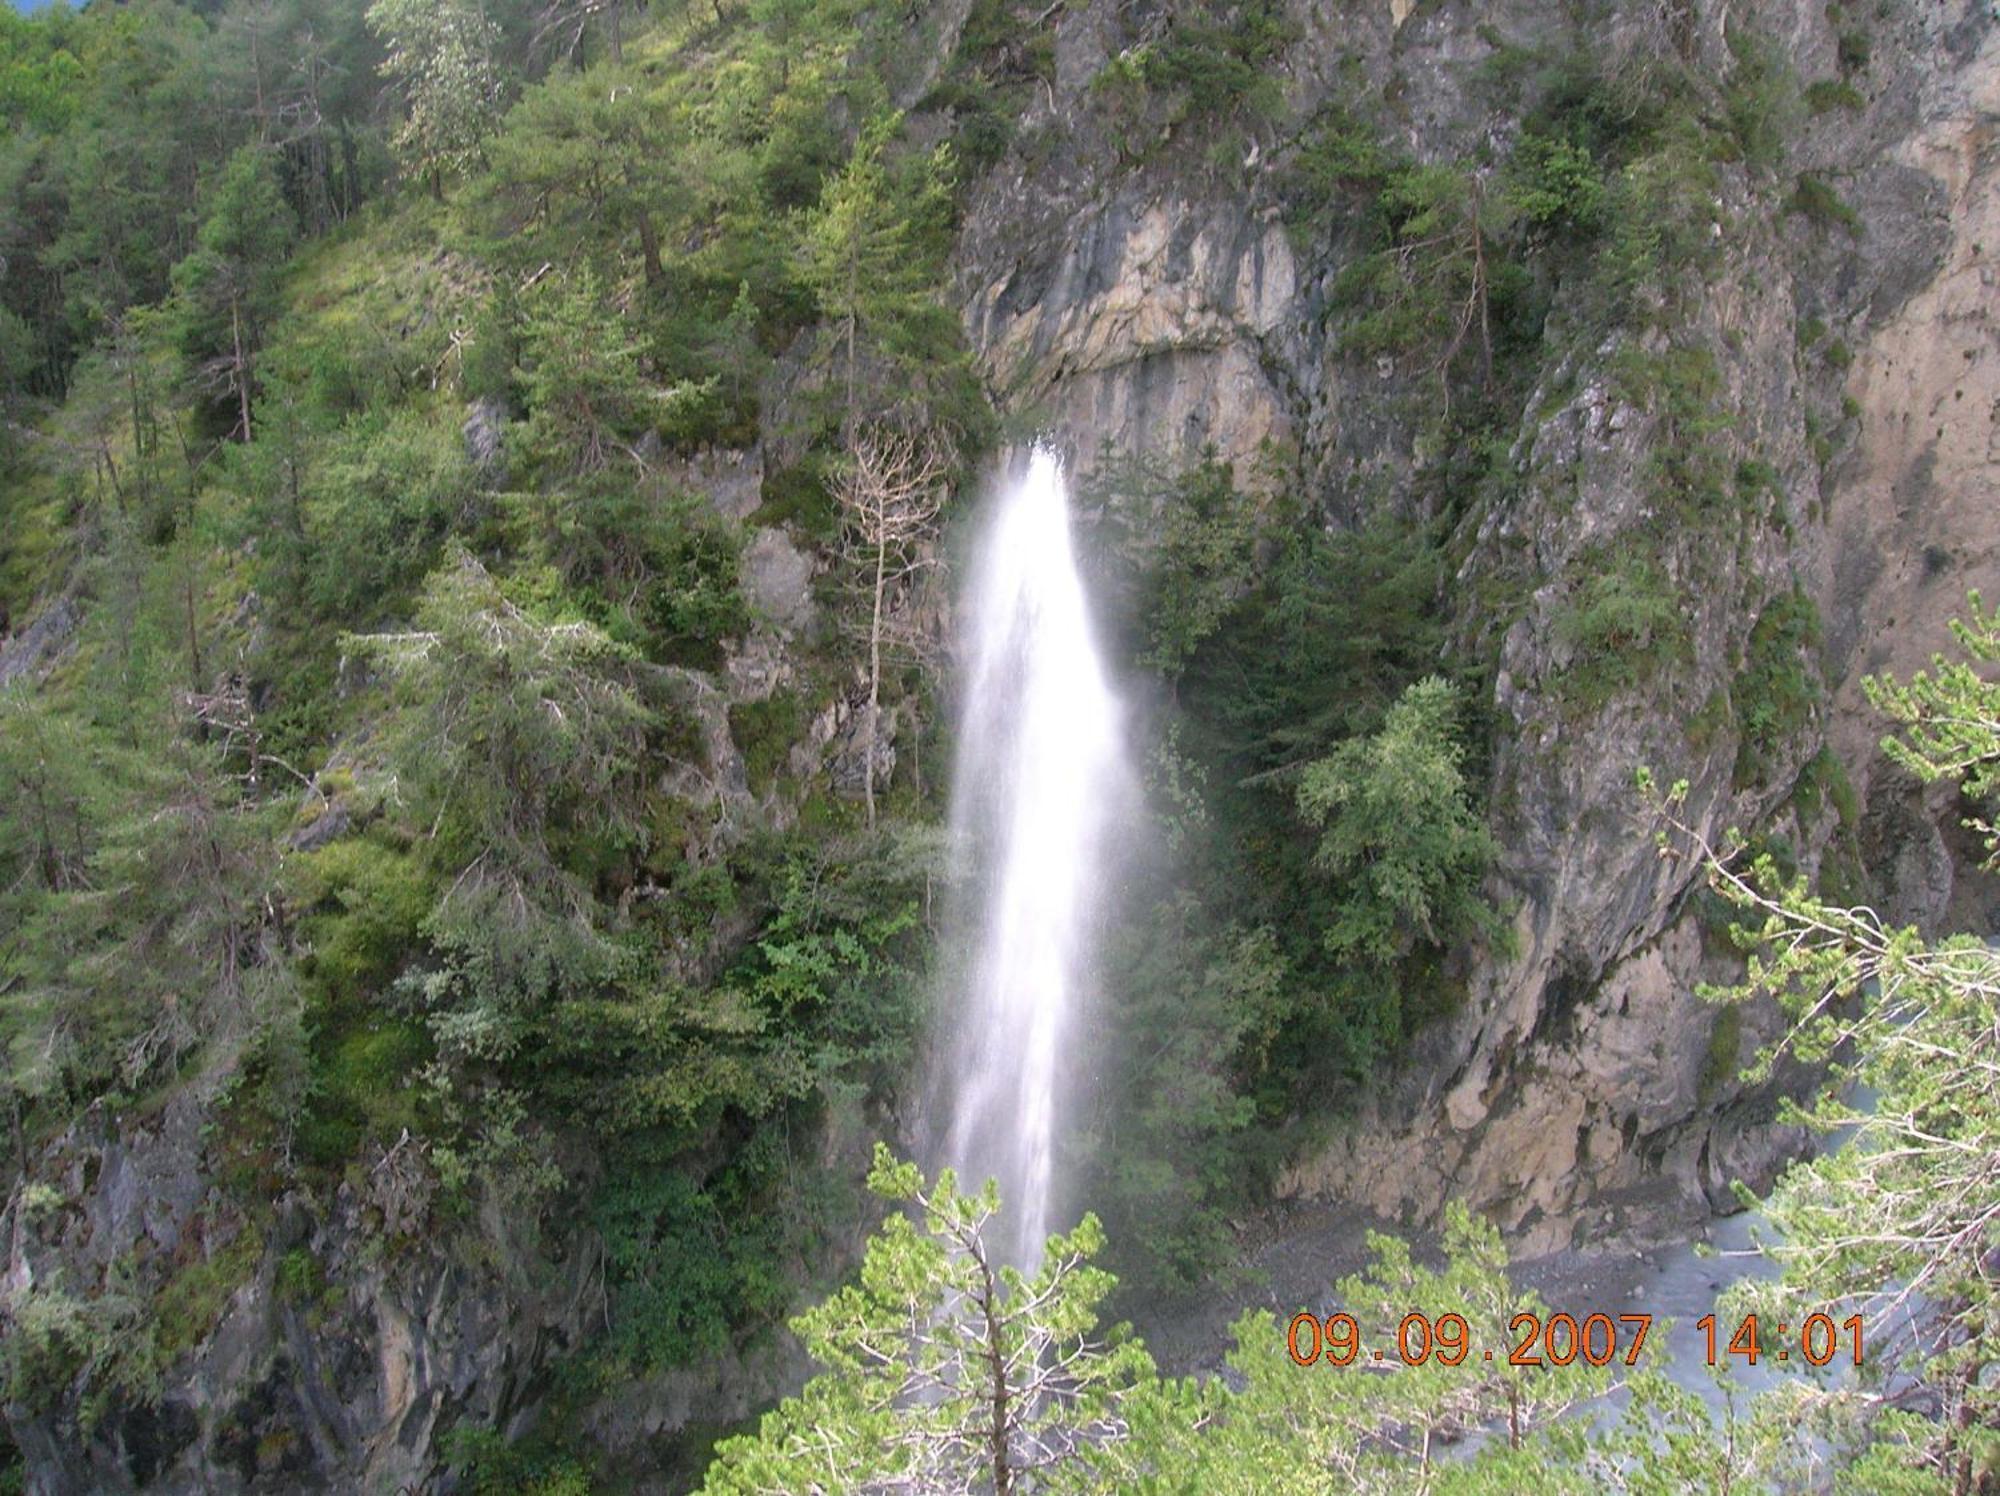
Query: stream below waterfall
{"points": [[1676, 1275]]}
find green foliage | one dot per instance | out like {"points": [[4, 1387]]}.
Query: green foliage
{"points": [[765, 732], [488, 1464], [1909, 1198], [1556, 185], [1218, 67], [1197, 1007], [928, 1356], [871, 249], [1778, 690], [935, 1363], [1682, 387], [690, 1263], [1820, 203], [1398, 833], [441, 53], [1824, 95], [142, 932], [190, 1303], [1760, 105], [226, 288], [1429, 291], [1204, 561], [579, 375], [1945, 714], [1623, 625]]}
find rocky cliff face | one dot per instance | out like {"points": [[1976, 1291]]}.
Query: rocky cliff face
{"points": [[317, 1349], [1162, 307]]}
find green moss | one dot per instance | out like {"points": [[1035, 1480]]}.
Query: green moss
{"points": [[363, 1087], [364, 901]]}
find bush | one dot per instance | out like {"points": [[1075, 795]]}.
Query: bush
{"points": [[1827, 94], [1816, 200]]}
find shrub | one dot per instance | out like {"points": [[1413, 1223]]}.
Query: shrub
{"points": [[1624, 623], [1827, 94], [1817, 201], [1778, 689]]}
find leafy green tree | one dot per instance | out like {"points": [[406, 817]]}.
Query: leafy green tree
{"points": [[1399, 833], [947, 1371], [442, 54]]}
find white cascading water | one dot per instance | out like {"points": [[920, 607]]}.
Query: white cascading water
{"points": [[1040, 769]]}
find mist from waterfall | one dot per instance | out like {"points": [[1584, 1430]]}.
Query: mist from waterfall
{"points": [[1039, 775]]}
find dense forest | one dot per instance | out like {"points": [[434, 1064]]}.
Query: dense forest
{"points": [[482, 489]]}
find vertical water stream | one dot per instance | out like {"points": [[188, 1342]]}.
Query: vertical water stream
{"points": [[1040, 765]]}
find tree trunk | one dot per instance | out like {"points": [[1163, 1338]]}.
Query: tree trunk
{"points": [[649, 248], [996, 1363], [138, 433], [194, 638], [242, 364], [874, 681]]}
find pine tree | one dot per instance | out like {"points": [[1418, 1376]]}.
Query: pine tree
{"points": [[866, 254], [228, 286], [948, 1372], [1906, 1214]]}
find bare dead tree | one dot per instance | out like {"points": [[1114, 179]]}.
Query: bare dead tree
{"points": [[895, 484], [561, 27]]}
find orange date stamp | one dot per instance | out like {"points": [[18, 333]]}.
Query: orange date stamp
{"points": [[1564, 1339]]}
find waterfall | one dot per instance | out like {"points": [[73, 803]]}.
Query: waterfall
{"points": [[1039, 776]]}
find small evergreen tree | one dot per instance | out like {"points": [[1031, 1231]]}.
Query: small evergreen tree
{"points": [[947, 1372], [866, 254], [228, 287]]}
